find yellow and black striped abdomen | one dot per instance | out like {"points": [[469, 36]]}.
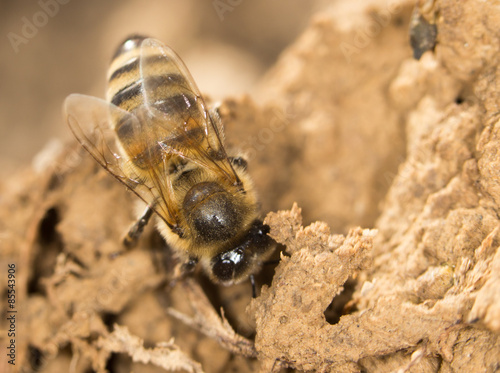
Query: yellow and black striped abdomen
{"points": [[160, 76], [146, 75]]}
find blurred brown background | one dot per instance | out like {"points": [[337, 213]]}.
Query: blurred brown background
{"points": [[50, 49]]}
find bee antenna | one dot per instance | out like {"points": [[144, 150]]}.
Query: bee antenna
{"points": [[252, 282]]}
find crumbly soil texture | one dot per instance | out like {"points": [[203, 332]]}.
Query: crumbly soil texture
{"points": [[379, 159]]}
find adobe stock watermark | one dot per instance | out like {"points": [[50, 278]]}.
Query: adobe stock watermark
{"points": [[257, 143], [31, 26], [366, 33], [223, 6], [57, 159]]}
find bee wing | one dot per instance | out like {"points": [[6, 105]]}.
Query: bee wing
{"points": [[173, 99], [91, 121]]}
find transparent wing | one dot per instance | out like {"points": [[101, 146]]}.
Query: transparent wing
{"points": [[172, 98], [92, 122]]}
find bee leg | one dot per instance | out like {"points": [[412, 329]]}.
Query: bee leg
{"points": [[177, 230], [135, 231], [190, 265], [254, 290], [181, 270], [239, 162]]}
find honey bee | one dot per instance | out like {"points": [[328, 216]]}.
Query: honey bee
{"points": [[155, 134]]}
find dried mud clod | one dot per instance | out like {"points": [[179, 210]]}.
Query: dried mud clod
{"points": [[419, 324], [378, 139], [166, 355], [291, 326]]}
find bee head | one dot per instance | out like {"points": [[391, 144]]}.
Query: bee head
{"points": [[236, 264]]}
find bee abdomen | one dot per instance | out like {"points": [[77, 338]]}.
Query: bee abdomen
{"points": [[166, 89], [140, 72], [130, 43]]}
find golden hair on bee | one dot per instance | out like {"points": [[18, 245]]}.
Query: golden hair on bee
{"points": [[155, 134]]}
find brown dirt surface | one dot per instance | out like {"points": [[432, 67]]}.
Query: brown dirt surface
{"points": [[384, 171]]}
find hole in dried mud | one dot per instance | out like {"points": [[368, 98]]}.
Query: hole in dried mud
{"points": [[50, 246], [47, 231], [119, 363], [35, 358], [338, 306], [109, 319]]}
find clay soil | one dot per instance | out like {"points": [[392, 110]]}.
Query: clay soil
{"points": [[379, 175]]}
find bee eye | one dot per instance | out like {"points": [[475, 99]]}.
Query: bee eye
{"points": [[234, 265], [226, 263], [223, 269]]}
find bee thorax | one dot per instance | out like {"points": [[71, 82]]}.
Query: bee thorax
{"points": [[212, 212]]}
